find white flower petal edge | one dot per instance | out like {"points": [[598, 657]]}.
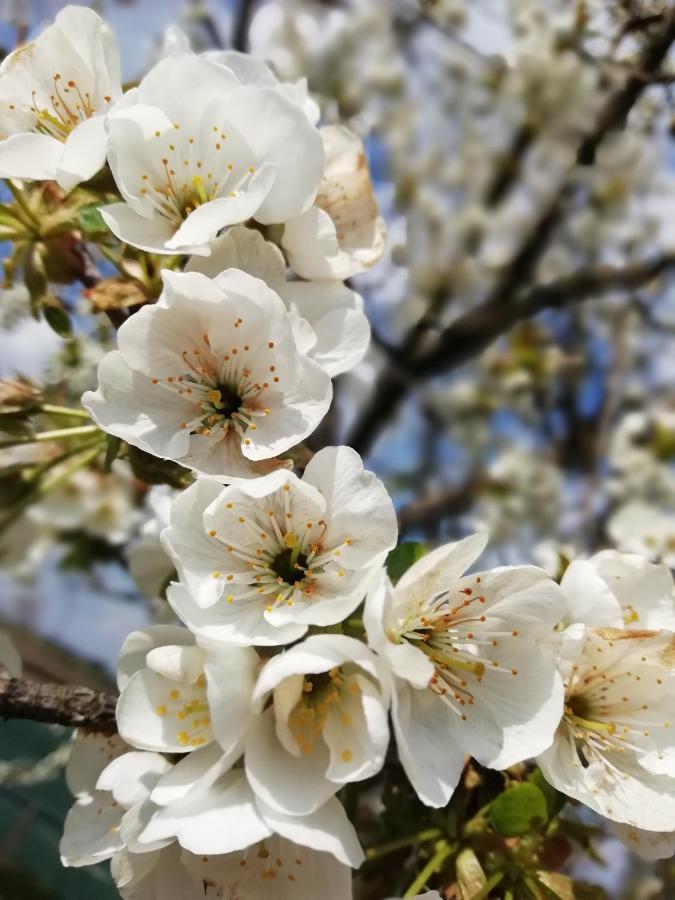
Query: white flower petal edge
{"points": [[194, 150], [327, 317], [254, 71], [292, 871], [615, 747], [263, 559], [54, 95], [457, 646], [211, 377], [343, 233], [644, 590], [650, 845], [328, 724]]}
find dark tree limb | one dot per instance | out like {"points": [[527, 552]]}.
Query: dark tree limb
{"points": [[437, 507], [392, 386], [241, 25], [472, 332], [58, 704]]}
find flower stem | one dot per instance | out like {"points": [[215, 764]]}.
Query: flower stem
{"points": [[443, 850], [487, 887], [29, 218], [84, 455], [63, 411], [51, 435], [431, 834]]}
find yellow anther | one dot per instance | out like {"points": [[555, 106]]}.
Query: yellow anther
{"points": [[291, 539]]}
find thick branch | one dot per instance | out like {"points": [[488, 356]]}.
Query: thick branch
{"points": [[58, 704], [437, 507], [471, 333], [392, 386]]}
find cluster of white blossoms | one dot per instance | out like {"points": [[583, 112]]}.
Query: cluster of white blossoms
{"points": [[238, 727]]}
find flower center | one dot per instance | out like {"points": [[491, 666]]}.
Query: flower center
{"points": [[319, 693], [194, 171], [290, 565], [223, 400], [68, 106]]}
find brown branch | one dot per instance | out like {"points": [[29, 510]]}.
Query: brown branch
{"points": [[241, 25], [437, 507], [393, 383], [58, 704], [471, 333]]}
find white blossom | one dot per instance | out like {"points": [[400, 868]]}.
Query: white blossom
{"points": [[178, 696], [327, 725], [194, 150], [343, 233], [619, 590], [211, 377], [644, 528], [54, 95], [650, 845], [265, 558], [327, 317], [471, 663], [615, 747], [293, 872]]}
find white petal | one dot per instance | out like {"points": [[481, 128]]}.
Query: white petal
{"points": [[139, 643], [231, 673], [194, 773], [126, 404], [288, 784], [446, 563], [242, 248], [149, 233], [91, 831], [83, 153], [132, 776], [179, 663], [89, 755], [327, 830], [222, 820], [150, 714], [424, 736], [31, 157], [358, 507], [589, 599], [650, 845]]}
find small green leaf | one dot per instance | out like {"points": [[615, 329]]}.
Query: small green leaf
{"points": [[90, 220], [554, 799], [402, 557], [518, 810], [58, 320]]}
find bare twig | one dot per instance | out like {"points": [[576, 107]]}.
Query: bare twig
{"points": [[58, 704], [393, 384]]}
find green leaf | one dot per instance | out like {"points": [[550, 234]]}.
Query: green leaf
{"points": [[554, 799], [518, 810], [90, 220], [58, 320], [402, 557]]}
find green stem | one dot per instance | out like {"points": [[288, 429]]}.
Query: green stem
{"points": [[51, 435], [48, 484], [487, 887], [431, 834], [30, 220], [443, 850], [63, 411]]}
